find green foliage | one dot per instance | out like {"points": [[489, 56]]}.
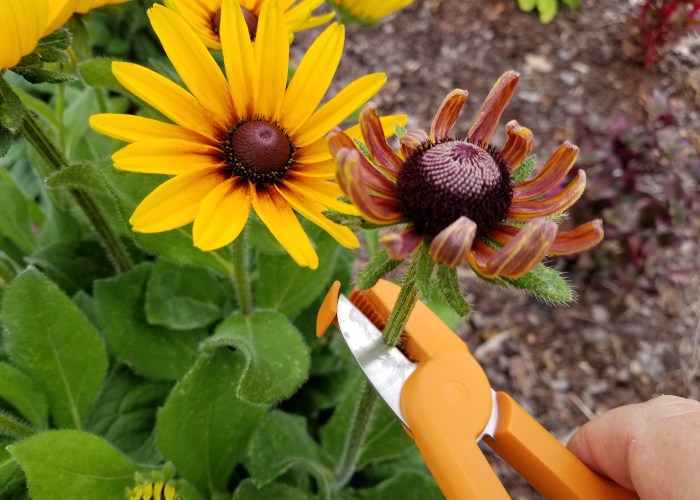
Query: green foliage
{"points": [[24, 394], [49, 339], [547, 8]]}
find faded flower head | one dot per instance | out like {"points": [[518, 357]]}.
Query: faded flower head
{"points": [[205, 16], [464, 196]]}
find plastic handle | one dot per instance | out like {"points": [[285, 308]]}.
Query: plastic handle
{"points": [[543, 461]]}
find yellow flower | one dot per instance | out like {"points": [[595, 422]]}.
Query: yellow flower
{"points": [[205, 16], [84, 6], [369, 11], [23, 24], [247, 141]]}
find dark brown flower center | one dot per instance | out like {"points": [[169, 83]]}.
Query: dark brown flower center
{"points": [[258, 150], [250, 19], [440, 183]]}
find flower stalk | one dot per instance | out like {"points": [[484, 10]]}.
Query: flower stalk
{"points": [[31, 130]]}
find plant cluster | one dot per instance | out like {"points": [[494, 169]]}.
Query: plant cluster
{"points": [[547, 9], [662, 22]]}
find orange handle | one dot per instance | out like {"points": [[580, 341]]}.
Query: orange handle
{"points": [[543, 461]]}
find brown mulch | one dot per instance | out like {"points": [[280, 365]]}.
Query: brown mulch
{"points": [[633, 333]]}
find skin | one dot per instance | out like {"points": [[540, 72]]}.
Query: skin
{"points": [[652, 448]]}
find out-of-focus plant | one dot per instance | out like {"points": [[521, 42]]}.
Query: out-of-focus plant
{"points": [[365, 12], [547, 8], [662, 22]]}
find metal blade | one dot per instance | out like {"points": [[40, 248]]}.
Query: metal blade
{"points": [[386, 367]]}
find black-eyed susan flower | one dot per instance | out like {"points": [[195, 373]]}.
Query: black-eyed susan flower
{"points": [[367, 11], [23, 24], [247, 141], [459, 194], [84, 6], [205, 16]]}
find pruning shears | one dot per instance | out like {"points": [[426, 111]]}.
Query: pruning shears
{"points": [[445, 402]]}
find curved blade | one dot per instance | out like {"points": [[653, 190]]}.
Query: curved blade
{"points": [[386, 367]]}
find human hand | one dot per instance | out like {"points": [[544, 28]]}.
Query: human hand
{"points": [[652, 448]]}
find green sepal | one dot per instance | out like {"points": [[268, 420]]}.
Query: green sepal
{"points": [[277, 358], [51, 48], [11, 109], [448, 286], [353, 222], [545, 283], [522, 173], [377, 268]]}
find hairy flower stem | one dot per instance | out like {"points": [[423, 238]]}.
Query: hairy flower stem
{"points": [[240, 277], [395, 325], [54, 158]]}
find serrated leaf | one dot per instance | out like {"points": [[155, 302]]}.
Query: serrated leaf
{"points": [[97, 72], [277, 358], [48, 338], [11, 109], [448, 286], [151, 351], [182, 298], [286, 287], [203, 428], [523, 172], [279, 443], [404, 485], [75, 465], [545, 283], [377, 268], [125, 413], [20, 390], [80, 175], [247, 490]]}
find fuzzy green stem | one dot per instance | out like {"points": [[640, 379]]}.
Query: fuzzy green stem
{"points": [[14, 428], [55, 160], [240, 277], [395, 325]]}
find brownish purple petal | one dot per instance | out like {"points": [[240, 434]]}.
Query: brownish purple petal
{"points": [[413, 141], [517, 146], [373, 133], [400, 246], [349, 175], [528, 209], [492, 109], [451, 246], [551, 174], [577, 240], [520, 255], [447, 114]]}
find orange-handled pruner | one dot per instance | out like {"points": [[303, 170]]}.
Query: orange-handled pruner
{"points": [[444, 400]]}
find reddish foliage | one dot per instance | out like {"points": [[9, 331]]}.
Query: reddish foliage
{"points": [[665, 21]]}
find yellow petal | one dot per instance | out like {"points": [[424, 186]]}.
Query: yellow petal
{"points": [[166, 156], [168, 98], [323, 191], [339, 108], [272, 60], [313, 211], [130, 128], [315, 21], [279, 218], [21, 26], [199, 15], [315, 152], [312, 78], [222, 215], [175, 202], [59, 12], [239, 58], [193, 63], [319, 170]]}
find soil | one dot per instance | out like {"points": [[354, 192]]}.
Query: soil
{"points": [[634, 331]]}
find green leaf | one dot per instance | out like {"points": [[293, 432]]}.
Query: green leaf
{"points": [[281, 442], [6, 140], [97, 72], [125, 413], [448, 286], [523, 172], [386, 438], [48, 338], [203, 428], [405, 485], [9, 468], [51, 48], [182, 298], [44, 110], [16, 221], [286, 287], [11, 110], [37, 74], [248, 491], [545, 283], [79, 175], [18, 389], [378, 267], [73, 465], [548, 10], [527, 5], [151, 351], [277, 358]]}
